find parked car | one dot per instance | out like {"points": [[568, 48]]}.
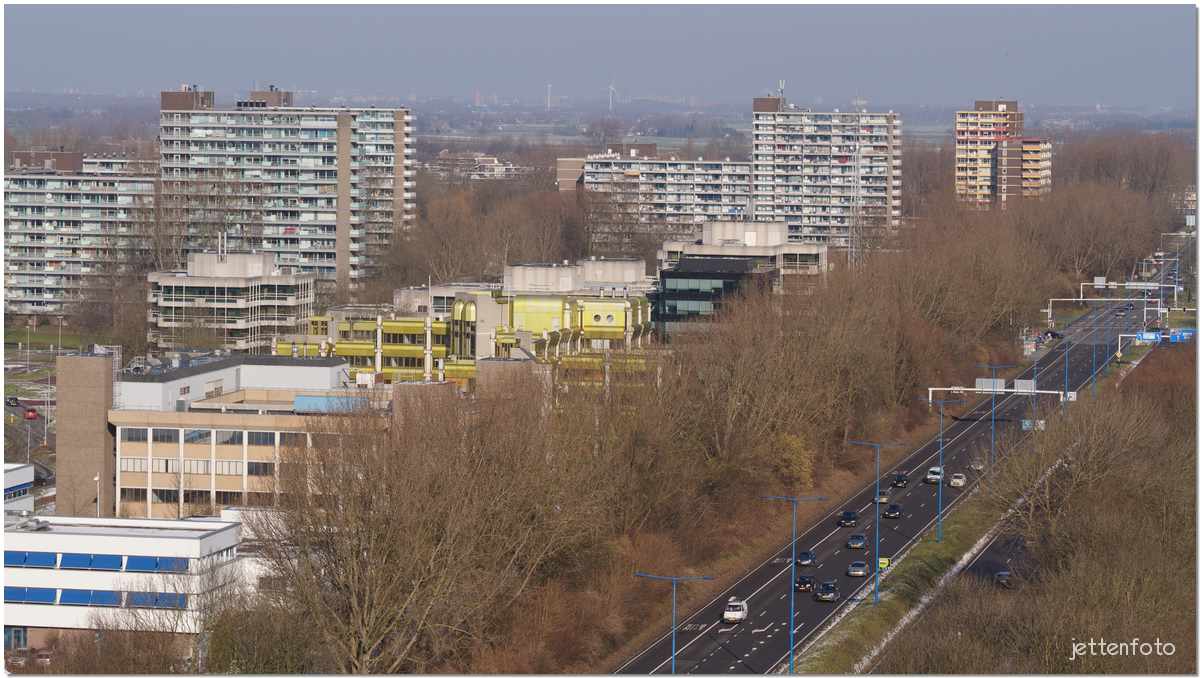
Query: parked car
{"points": [[806, 558], [827, 592], [934, 475], [804, 582], [901, 480], [856, 541], [848, 519], [735, 611], [43, 658], [12, 401], [893, 511], [857, 569], [31, 413], [958, 480]]}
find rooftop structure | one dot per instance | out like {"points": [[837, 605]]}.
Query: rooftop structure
{"points": [[243, 301]]}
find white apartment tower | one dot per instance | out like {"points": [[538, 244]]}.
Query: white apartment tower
{"points": [[825, 174], [322, 189]]}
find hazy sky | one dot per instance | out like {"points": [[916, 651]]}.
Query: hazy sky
{"points": [[1116, 55]]}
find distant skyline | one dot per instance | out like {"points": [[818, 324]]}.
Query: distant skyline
{"points": [[1115, 55]]}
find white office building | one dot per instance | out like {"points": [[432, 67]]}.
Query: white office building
{"points": [[18, 487], [79, 573]]}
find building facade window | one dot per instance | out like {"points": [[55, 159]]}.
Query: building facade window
{"points": [[166, 435], [133, 435], [163, 496], [229, 437], [260, 438], [229, 498], [164, 465], [260, 468], [197, 436], [228, 468], [133, 494]]}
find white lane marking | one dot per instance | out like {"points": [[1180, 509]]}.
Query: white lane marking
{"points": [[814, 546], [762, 629], [762, 613], [820, 565], [721, 631]]}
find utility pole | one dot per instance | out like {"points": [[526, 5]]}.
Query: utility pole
{"points": [[993, 368], [875, 530], [674, 585], [941, 453], [795, 501]]}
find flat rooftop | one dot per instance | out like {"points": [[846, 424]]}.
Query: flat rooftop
{"points": [[202, 365], [149, 528]]}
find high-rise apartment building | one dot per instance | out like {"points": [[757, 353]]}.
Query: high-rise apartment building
{"points": [[64, 224], [827, 175], [994, 163], [322, 189]]}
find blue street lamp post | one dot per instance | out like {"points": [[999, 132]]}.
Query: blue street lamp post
{"points": [[941, 450], [993, 368], [795, 501], [674, 585], [876, 447]]}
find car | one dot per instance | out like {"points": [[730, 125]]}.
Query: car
{"points": [[1003, 579], [901, 480], [1122, 313], [934, 475], [12, 401], [856, 541], [977, 465], [893, 511], [1051, 334], [804, 583], [806, 558], [1128, 307], [31, 413], [857, 569], [883, 496], [735, 611], [958, 480], [848, 519], [827, 592], [43, 658]]}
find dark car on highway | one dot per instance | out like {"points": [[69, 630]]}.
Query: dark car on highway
{"points": [[893, 511], [901, 480], [806, 558], [12, 401], [804, 583], [857, 541], [827, 592], [848, 519]]}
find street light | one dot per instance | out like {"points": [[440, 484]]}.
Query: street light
{"points": [[795, 501], [876, 447], [674, 584], [97, 479], [941, 448], [993, 368]]}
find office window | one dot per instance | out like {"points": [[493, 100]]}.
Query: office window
{"points": [[166, 496], [261, 438], [228, 468], [133, 464], [163, 465], [200, 436], [30, 559], [229, 498], [133, 494], [293, 439], [166, 435], [106, 598], [75, 597], [260, 468], [229, 437], [195, 466], [197, 497], [20, 594], [133, 435]]}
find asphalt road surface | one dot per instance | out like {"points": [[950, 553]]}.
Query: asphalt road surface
{"points": [[760, 644]]}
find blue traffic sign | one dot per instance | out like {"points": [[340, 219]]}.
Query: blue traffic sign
{"points": [[1149, 336]]}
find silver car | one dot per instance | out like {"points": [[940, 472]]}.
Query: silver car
{"points": [[857, 569]]}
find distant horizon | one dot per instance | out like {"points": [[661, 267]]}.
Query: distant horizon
{"points": [[1118, 56]]}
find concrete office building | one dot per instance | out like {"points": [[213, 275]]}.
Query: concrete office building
{"points": [[68, 223], [243, 300], [18, 484], [181, 439], [65, 575], [994, 163], [322, 189]]}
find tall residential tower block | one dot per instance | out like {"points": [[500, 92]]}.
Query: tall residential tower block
{"points": [[995, 164]]}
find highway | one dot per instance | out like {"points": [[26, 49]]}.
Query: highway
{"points": [[760, 644]]}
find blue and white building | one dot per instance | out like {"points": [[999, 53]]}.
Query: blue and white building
{"points": [[18, 487], [64, 573]]}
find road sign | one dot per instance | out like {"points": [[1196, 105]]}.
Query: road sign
{"points": [[1098, 282], [984, 384], [1141, 285], [1072, 396], [1149, 336], [1025, 385], [1026, 424], [884, 563]]}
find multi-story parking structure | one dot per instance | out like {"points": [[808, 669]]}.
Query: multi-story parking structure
{"points": [[827, 175], [62, 226], [323, 189]]}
